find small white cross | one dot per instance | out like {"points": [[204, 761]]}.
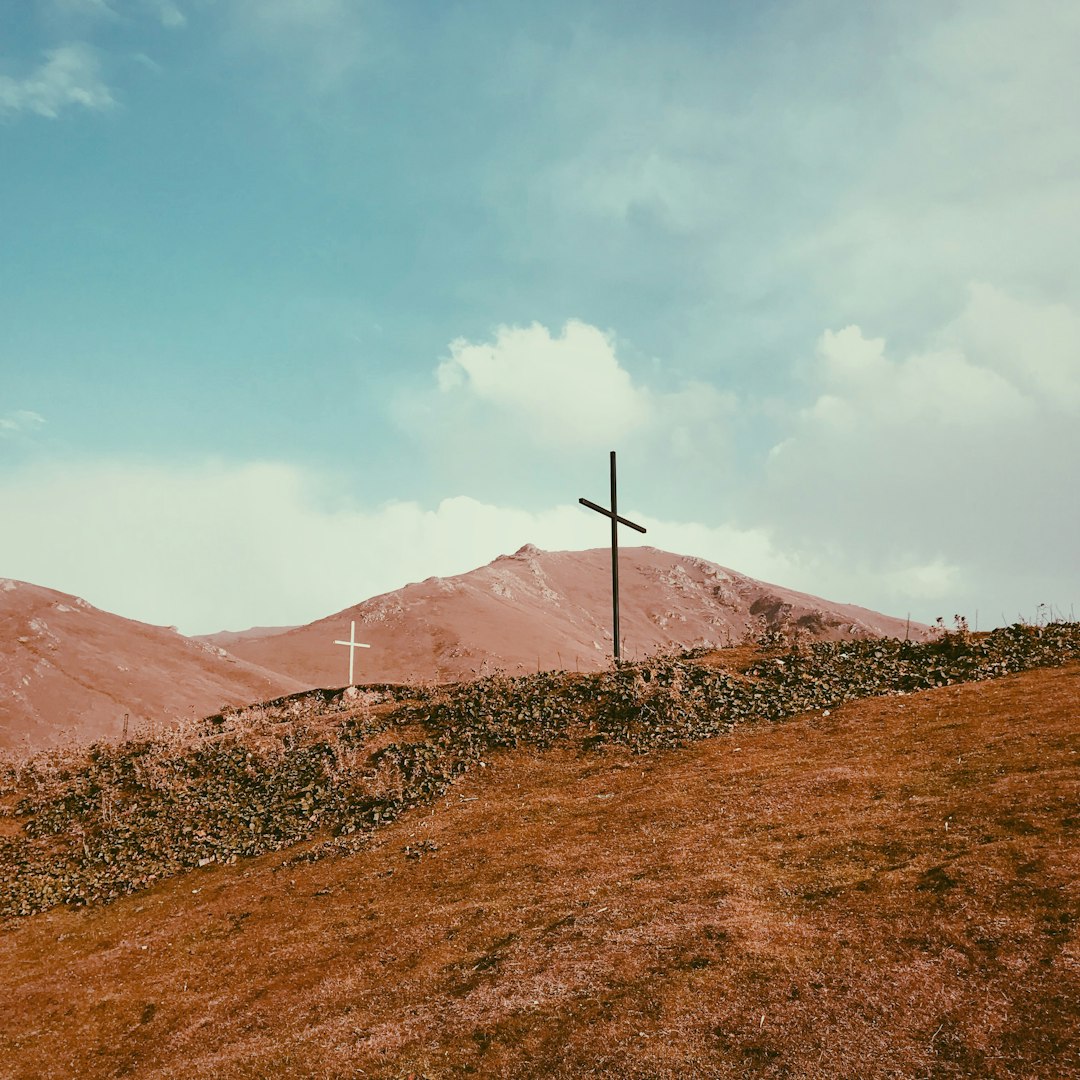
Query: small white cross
{"points": [[353, 645]]}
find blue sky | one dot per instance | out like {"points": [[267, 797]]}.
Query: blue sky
{"points": [[304, 299]]}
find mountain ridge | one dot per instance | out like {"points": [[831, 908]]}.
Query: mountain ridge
{"points": [[69, 670], [535, 610]]}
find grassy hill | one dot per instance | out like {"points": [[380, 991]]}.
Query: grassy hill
{"points": [[611, 875]]}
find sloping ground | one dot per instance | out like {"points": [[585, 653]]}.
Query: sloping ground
{"points": [[225, 638], [71, 671], [891, 890], [89, 826], [547, 610], [888, 889]]}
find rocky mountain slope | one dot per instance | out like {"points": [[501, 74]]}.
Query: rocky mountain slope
{"points": [[549, 610], [70, 670]]}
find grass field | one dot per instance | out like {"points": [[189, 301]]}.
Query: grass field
{"points": [[891, 890]]}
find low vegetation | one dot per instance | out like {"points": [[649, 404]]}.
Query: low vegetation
{"points": [[86, 827]]}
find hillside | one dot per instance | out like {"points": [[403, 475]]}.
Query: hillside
{"points": [[70, 670], [544, 610], [644, 883]]}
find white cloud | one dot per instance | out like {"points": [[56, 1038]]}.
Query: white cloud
{"points": [[940, 386], [935, 580], [217, 545], [69, 76], [20, 422], [934, 414], [168, 14], [695, 422], [568, 388], [1035, 345]]}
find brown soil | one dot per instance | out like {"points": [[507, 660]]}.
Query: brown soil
{"points": [[889, 891]]}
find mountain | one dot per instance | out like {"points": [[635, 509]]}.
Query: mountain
{"points": [[548, 609], [69, 670]]}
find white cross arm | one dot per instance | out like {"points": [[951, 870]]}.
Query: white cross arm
{"points": [[352, 645]]}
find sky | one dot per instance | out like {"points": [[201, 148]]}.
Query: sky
{"points": [[302, 300]]}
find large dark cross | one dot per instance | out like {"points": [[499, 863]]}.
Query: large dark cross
{"points": [[613, 513]]}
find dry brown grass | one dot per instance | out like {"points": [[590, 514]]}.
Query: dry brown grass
{"points": [[889, 891]]}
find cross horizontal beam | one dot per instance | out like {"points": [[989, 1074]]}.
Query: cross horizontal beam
{"points": [[607, 513], [353, 645]]}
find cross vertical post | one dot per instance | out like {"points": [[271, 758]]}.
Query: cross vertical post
{"points": [[353, 645], [616, 521], [614, 556]]}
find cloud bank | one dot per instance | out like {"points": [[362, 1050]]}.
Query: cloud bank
{"points": [[959, 457], [220, 545]]}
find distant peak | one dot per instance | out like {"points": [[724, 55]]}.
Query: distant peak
{"points": [[526, 551]]}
